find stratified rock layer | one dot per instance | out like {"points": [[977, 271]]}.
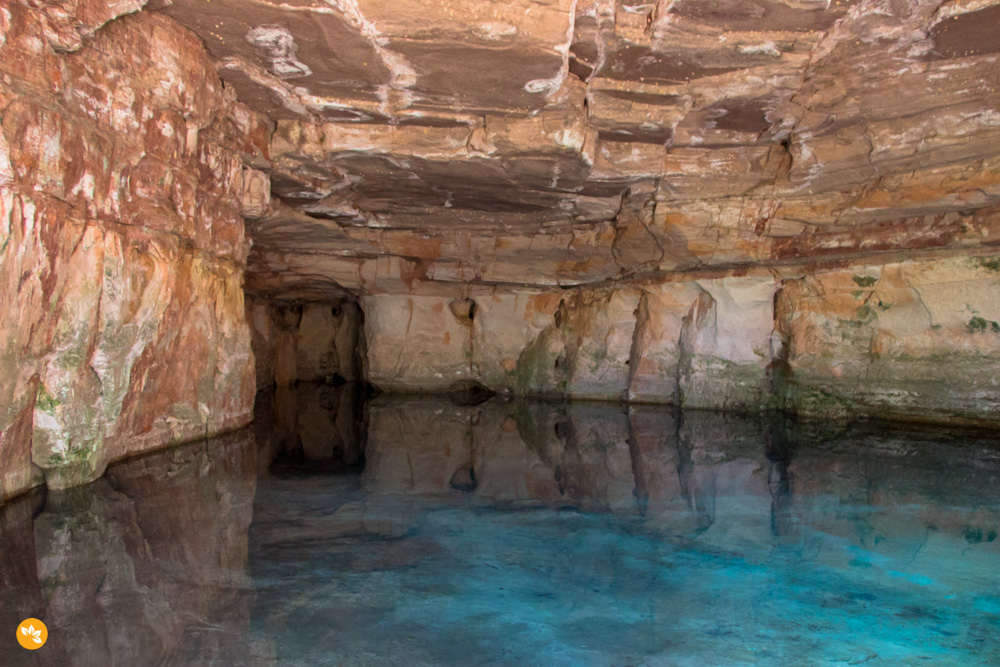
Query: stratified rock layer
{"points": [[623, 187], [122, 246], [672, 137], [918, 340], [914, 339], [656, 201]]}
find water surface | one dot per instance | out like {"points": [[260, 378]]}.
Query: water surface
{"points": [[340, 531]]}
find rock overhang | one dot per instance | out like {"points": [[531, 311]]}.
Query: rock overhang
{"points": [[575, 142]]}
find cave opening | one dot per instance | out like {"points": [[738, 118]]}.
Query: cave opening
{"points": [[317, 342]]}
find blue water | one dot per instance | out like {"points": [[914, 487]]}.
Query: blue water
{"points": [[340, 531]]}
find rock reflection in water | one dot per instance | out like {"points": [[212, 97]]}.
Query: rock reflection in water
{"points": [[544, 534], [415, 531], [146, 566]]}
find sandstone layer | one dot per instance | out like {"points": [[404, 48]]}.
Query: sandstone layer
{"points": [[667, 137], [122, 242], [652, 201]]}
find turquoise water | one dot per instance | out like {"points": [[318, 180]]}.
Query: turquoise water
{"points": [[339, 531]]}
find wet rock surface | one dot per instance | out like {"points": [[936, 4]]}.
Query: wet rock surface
{"points": [[914, 339], [398, 529]]}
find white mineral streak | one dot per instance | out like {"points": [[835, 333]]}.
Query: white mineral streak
{"points": [[551, 86], [262, 77], [402, 76], [279, 44], [495, 31]]}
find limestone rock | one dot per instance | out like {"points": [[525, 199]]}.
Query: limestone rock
{"points": [[576, 198]]}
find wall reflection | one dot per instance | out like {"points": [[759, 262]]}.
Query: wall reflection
{"points": [[755, 479], [146, 566], [157, 563]]}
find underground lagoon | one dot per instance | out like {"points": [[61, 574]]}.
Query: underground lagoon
{"points": [[448, 332], [344, 529]]}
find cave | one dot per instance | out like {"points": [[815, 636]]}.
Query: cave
{"points": [[437, 332]]}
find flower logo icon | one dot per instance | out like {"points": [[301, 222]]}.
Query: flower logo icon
{"points": [[32, 634]]}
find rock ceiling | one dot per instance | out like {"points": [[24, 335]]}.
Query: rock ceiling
{"points": [[563, 142]]}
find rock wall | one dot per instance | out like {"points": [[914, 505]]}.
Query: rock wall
{"points": [[913, 339], [624, 216], [122, 246], [664, 202], [701, 344], [918, 340]]}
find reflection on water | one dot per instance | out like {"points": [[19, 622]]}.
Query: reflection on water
{"points": [[417, 531]]}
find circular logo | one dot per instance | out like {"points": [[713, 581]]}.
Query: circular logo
{"points": [[32, 634]]}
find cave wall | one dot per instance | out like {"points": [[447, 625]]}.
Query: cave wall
{"points": [[664, 215], [122, 241], [706, 341], [918, 340], [915, 339], [797, 229]]}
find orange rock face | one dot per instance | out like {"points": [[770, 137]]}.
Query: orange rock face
{"points": [[623, 139], [122, 246]]}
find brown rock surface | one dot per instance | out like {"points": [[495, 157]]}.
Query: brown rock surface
{"points": [[913, 339], [661, 174], [620, 186], [314, 343], [122, 249], [675, 136]]}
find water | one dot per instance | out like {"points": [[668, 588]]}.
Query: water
{"points": [[420, 532]]}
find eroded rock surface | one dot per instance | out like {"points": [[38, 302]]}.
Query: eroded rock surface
{"points": [[313, 342], [623, 187], [702, 344], [656, 201], [661, 137], [122, 246], [917, 339]]}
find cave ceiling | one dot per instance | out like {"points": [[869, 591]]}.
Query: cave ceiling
{"points": [[541, 143]]}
